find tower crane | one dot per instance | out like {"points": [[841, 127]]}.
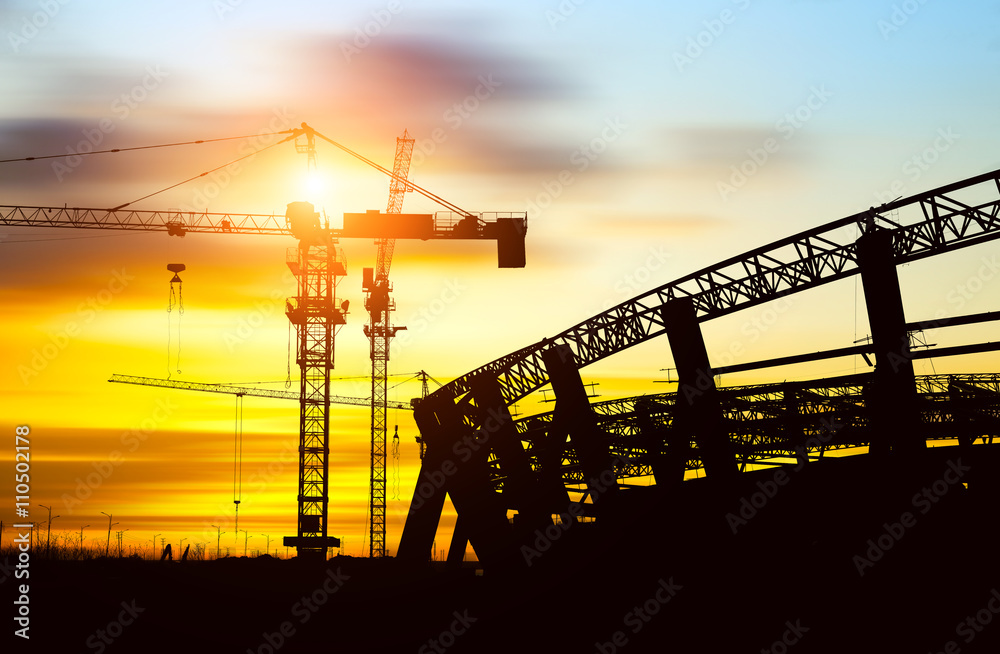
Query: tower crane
{"points": [[380, 333], [317, 263]]}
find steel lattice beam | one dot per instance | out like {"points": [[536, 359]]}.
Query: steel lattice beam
{"points": [[796, 263], [244, 391], [445, 224]]}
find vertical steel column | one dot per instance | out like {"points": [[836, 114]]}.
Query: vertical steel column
{"points": [[894, 418]]}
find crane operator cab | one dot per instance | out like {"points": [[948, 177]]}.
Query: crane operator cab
{"points": [[303, 221]]}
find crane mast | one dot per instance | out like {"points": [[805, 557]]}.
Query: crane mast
{"points": [[317, 263], [380, 333]]}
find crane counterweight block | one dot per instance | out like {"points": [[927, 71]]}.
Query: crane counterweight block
{"points": [[510, 241]]}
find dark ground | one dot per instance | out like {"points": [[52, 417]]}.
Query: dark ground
{"points": [[789, 571]]}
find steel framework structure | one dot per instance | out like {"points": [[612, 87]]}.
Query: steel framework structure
{"points": [[955, 216], [795, 263], [771, 422]]}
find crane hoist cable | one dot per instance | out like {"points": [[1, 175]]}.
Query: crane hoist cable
{"points": [[395, 464], [238, 461], [191, 179], [288, 359], [142, 147], [176, 299], [419, 189]]}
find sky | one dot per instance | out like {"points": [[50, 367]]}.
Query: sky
{"points": [[632, 134]]}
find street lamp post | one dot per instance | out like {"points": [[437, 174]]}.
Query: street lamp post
{"points": [[48, 537], [81, 538], [268, 537], [218, 541], [121, 541], [107, 548], [154, 546], [246, 540]]}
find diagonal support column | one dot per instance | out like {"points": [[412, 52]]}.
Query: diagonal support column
{"points": [[573, 413], [459, 542], [698, 414], [521, 491], [456, 462], [435, 417], [894, 410]]}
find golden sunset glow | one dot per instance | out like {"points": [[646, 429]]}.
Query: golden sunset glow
{"points": [[625, 159]]}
